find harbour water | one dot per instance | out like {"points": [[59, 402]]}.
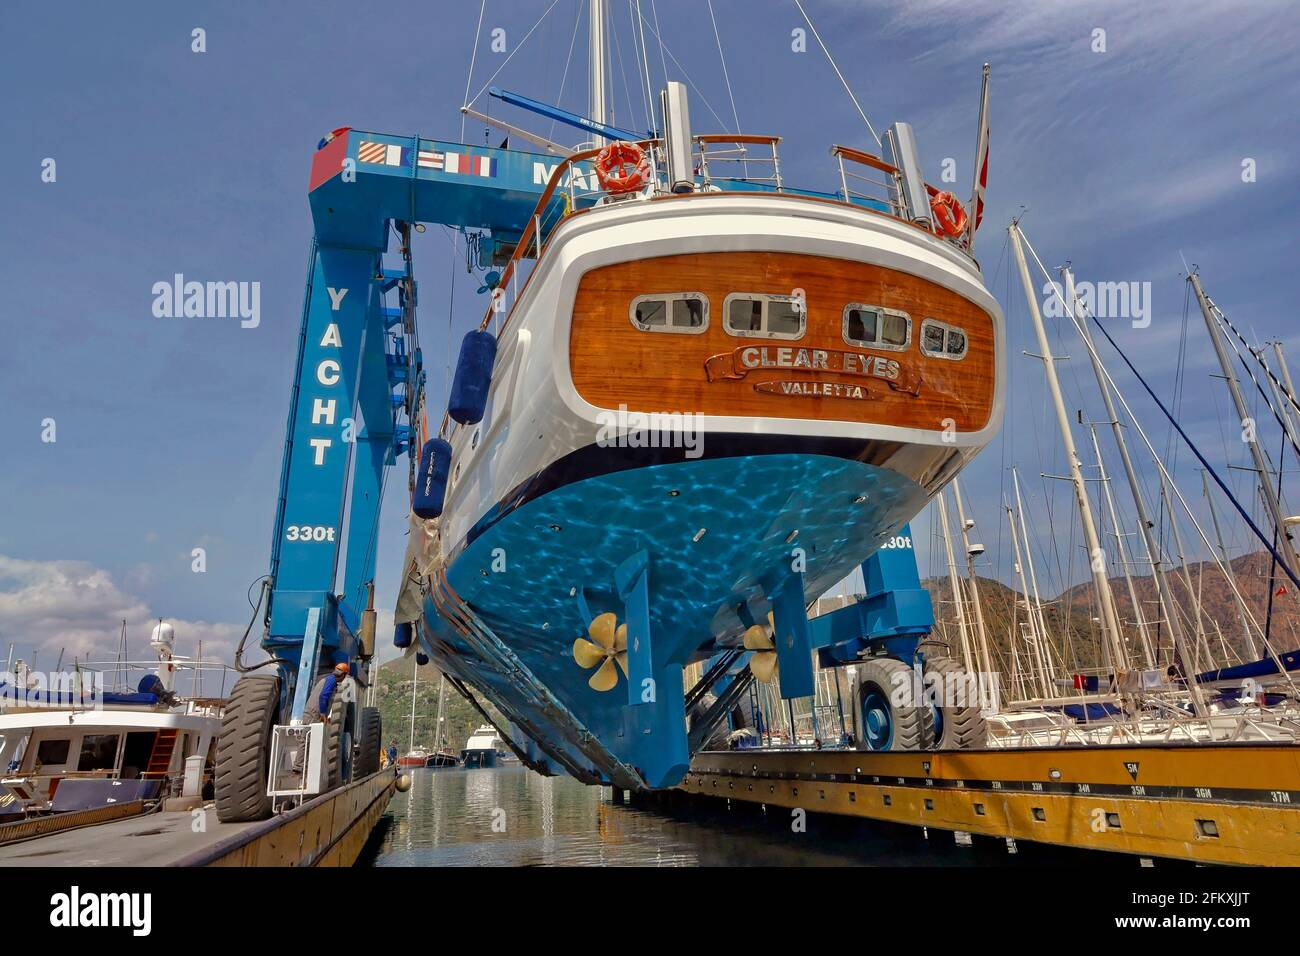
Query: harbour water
{"points": [[513, 817]]}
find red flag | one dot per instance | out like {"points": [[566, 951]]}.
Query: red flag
{"points": [[981, 163]]}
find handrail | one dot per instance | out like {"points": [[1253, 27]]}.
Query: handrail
{"points": [[866, 159], [746, 138], [532, 234], [531, 230], [543, 201]]}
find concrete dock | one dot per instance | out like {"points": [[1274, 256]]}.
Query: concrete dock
{"points": [[329, 830]]}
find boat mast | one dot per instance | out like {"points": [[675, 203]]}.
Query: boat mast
{"points": [[1227, 570], [981, 632], [1186, 574], [1123, 553], [442, 700], [957, 601], [1033, 583], [596, 52], [1288, 407], [1168, 610], [1035, 639], [415, 682], [1271, 502], [1112, 641]]}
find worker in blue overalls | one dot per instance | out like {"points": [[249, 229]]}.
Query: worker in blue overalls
{"points": [[319, 702], [392, 753], [322, 695]]}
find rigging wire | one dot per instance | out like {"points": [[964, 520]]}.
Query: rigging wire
{"points": [[622, 73], [473, 58], [1281, 386], [664, 48], [654, 11], [835, 67], [639, 27], [723, 60], [1277, 414], [568, 60], [519, 46]]}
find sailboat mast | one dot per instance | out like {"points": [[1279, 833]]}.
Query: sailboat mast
{"points": [[442, 700], [1200, 663], [958, 604], [1110, 622], [1122, 553], [1168, 612], [1288, 407], [1263, 472], [1033, 583], [985, 661], [1035, 647], [415, 683], [1228, 572], [596, 50]]}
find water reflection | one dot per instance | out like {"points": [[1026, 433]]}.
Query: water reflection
{"points": [[513, 817]]}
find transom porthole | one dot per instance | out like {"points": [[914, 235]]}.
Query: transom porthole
{"points": [[941, 340], [875, 327], [686, 312], [764, 316]]}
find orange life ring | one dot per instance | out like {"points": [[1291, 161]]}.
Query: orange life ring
{"points": [[622, 167], [949, 214]]}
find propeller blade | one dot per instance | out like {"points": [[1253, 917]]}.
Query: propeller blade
{"points": [[621, 657], [763, 664], [757, 639], [587, 654], [602, 630], [620, 638], [606, 677]]}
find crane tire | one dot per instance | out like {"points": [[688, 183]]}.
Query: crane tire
{"points": [[883, 723], [371, 737], [244, 749], [960, 726]]}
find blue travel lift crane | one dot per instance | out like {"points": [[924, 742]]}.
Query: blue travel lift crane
{"points": [[354, 408]]}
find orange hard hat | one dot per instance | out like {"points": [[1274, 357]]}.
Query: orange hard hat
{"points": [[341, 667]]}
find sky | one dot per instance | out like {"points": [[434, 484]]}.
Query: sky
{"points": [[1122, 150]]}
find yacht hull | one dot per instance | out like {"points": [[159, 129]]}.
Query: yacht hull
{"points": [[718, 461]]}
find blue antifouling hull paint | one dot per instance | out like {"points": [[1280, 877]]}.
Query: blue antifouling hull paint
{"points": [[469, 389]]}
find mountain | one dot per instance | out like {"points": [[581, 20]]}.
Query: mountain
{"points": [[1071, 616], [393, 697]]}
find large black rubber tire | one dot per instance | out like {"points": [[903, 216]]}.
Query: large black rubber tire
{"points": [[334, 744], [244, 749], [911, 725], [961, 727], [371, 737]]}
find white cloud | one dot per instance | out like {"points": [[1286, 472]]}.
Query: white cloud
{"points": [[76, 608]]}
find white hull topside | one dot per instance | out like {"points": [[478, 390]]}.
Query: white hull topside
{"points": [[534, 414]]}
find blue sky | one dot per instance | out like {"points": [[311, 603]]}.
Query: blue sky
{"points": [[169, 431]]}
